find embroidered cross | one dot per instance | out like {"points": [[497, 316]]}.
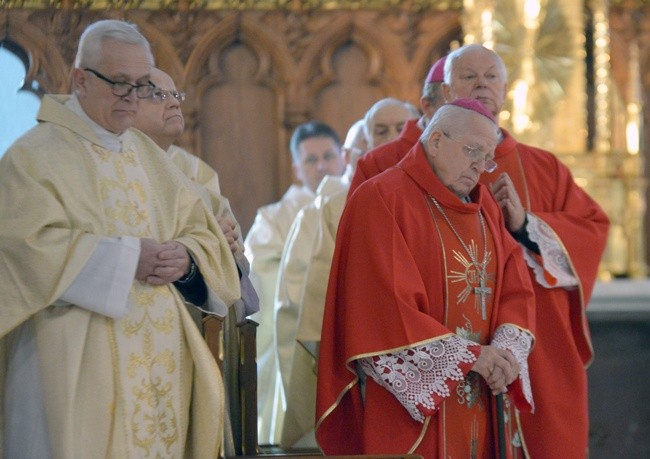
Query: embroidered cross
{"points": [[482, 290]]}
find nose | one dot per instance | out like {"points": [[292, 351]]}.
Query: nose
{"points": [[172, 102], [481, 81], [323, 165], [130, 96], [479, 164]]}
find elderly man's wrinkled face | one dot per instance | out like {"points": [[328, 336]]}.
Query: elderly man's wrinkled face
{"points": [[387, 123], [121, 63], [318, 157], [459, 155], [477, 74], [160, 116]]}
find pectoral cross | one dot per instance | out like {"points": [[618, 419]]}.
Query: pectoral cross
{"points": [[482, 290]]}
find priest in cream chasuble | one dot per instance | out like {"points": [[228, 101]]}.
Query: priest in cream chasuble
{"points": [[90, 373]]}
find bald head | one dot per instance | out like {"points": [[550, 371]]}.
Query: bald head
{"points": [[160, 117], [385, 120], [161, 78], [355, 144], [459, 143], [476, 72]]}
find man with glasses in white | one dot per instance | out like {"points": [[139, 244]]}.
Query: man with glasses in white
{"points": [[103, 243], [161, 118]]}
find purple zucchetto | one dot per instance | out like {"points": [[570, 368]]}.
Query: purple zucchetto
{"points": [[437, 72], [474, 105]]}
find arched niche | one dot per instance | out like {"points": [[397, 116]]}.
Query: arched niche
{"points": [[440, 31], [345, 69], [237, 82], [165, 55]]}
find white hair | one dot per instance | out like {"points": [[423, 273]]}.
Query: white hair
{"points": [[457, 53], [89, 52], [447, 117], [369, 118]]}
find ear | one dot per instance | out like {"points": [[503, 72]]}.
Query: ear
{"points": [[347, 154], [446, 92], [427, 108], [296, 172], [79, 80], [434, 142]]}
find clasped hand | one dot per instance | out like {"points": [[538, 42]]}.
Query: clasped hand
{"points": [[228, 229], [162, 263], [505, 194], [498, 367]]}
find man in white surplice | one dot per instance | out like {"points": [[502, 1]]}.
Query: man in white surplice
{"points": [[316, 152], [104, 244], [161, 118], [382, 122]]}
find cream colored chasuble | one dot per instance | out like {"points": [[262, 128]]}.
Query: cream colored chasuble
{"points": [[106, 387], [153, 369], [148, 349]]}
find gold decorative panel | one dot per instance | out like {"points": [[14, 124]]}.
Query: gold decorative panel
{"points": [[266, 5], [542, 45]]}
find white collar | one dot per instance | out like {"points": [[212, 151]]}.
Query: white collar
{"points": [[107, 139]]}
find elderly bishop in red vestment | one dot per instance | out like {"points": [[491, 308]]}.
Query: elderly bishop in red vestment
{"points": [[563, 232], [429, 308]]}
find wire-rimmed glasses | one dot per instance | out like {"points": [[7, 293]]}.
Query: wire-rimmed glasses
{"points": [[160, 95], [475, 154]]}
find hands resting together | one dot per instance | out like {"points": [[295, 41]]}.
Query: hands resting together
{"points": [[165, 262], [498, 367], [162, 262]]}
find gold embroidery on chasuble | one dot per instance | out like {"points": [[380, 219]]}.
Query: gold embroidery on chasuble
{"points": [[151, 362], [469, 390], [470, 269]]}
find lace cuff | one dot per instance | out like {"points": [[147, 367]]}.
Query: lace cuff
{"points": [[421, 377], [520, 344], [554, 270]]}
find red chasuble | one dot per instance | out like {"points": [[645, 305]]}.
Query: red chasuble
{"points": [[402, 279], [559, 426], [385, 155]]}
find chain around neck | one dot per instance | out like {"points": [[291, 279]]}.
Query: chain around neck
{"points": [[472, 256]]}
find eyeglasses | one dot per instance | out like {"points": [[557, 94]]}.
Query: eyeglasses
{"points": [[159, 95], [123, 89], [475, 154]]}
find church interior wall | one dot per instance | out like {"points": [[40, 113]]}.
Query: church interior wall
{"points": [[252, 75]]}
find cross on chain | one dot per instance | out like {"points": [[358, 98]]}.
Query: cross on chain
{"points": [[482, 290]]}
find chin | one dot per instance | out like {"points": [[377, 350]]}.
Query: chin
{"points": [[175, 133], [124, 122], [489, 104]]}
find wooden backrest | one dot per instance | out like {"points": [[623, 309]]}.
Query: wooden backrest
{"points": [[232, 344]]}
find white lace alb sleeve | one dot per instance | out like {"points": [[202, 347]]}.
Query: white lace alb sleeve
{"points": [[419, 377], [520, 343], [554, 259]]}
